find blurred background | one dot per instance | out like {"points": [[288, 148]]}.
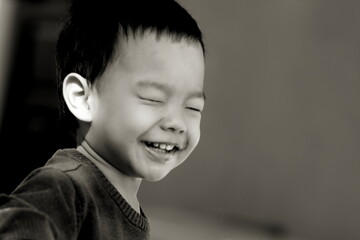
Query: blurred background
{"points": [[279, 156]]}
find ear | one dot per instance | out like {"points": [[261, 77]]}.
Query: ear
{"points": [[76, 92]]}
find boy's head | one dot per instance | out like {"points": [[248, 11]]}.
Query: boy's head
{"points": [[131, 75]]}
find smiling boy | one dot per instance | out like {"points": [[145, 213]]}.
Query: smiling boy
{"points": [[131, 81], [145, 117]]}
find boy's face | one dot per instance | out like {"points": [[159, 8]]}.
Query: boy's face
{"points": [[147, 106]]}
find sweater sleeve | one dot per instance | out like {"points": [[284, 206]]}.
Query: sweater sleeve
{"points": [[42, 207]]}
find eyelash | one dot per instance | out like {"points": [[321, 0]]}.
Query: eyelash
{"points": [[151, 100], [158, 101], [194, 109]]}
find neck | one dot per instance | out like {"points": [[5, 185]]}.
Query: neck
{"points": [[127, 186]]}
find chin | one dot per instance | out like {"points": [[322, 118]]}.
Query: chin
{"points": [[154, 177]]}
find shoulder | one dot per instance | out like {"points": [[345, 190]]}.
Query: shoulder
{"points": [[47, 201], [65, 160], [61, 173]]}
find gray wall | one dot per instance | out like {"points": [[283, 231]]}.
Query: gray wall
{"points": [[280, 132]]}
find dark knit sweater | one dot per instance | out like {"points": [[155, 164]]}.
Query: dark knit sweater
{"points": [[69, 198]]}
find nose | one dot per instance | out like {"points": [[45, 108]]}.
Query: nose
{"points": [[174, 121]]}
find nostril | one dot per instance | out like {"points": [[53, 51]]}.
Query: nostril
{"points": [[182, 131], [175, 129], [177, 126]]}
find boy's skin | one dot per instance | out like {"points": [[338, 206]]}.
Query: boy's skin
{"points": [[151, 93]]}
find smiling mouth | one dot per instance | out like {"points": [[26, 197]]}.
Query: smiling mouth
{"points": [[161, 147]]}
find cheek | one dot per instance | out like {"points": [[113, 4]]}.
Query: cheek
{"points": [[194, 132], [131, 120]]}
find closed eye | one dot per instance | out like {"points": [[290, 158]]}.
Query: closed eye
{"points": [[194, 109], [151, 100]]}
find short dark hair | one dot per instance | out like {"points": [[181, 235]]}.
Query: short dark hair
{"points": [[86, 43]]}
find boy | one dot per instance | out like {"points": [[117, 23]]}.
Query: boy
{"points": [[131, 81]]}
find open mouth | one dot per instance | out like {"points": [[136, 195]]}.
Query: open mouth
{"points": [[162, 147]]}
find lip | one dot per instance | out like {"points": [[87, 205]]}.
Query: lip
{"points": [[158, 156]]}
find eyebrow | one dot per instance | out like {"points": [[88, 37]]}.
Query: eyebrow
{"points": [[166, 88], [198, 95], [153, 84]]}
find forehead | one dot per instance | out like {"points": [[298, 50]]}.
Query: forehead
{"points": [[140, 47], [162, 58], [176, 65]]}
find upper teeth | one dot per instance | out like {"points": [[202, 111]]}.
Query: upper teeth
{"points": [[164, 146]]}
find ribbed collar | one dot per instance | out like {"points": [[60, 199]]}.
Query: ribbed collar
{"points": [[138, 219]]}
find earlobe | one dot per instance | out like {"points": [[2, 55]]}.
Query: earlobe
{"points": [[76, 93]]}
